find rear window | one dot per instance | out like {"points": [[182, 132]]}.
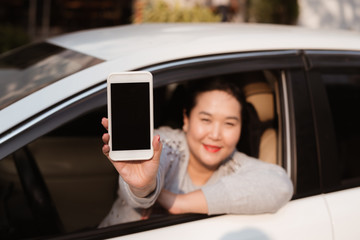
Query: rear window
{"points": [[31, 68], [343, 90]]}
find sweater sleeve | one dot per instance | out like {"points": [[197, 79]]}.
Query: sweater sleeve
{"points": [[254, 187], [138, 202]]}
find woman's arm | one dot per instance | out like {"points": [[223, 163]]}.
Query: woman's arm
{"points": [[256, 187], [193, 202]]}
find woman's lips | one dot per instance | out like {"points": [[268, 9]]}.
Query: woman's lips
{"points": [[211, 148]]}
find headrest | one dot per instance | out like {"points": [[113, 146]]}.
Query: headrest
{"points": [[260, 95]]}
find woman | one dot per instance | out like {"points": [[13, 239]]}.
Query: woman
{"points": [[198, 169]]}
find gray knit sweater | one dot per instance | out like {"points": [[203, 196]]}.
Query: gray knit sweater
{"points": [[241, 185]]}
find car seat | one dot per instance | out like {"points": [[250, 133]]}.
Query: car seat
{"points": [[263, 136]]}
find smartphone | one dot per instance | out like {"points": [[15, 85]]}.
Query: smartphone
{"points": [[130, 115]]}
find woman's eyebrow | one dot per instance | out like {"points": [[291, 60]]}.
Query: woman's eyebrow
{"points": [[205, 113], [229, 118], [233, 118]]}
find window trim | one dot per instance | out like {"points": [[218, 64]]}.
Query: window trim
{"points": [[207, 66], [305, 168], [133, 227], [325, 136], [287, 130], [321, 58]]}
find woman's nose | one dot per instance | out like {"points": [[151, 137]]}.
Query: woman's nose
{"points": [[215, 132]]}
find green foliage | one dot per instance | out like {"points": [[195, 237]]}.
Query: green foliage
{"points": [[273, 11], [160, 11], [12, 37]]}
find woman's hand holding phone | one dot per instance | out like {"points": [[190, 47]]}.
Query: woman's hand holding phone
{"points": [[139, 175]]}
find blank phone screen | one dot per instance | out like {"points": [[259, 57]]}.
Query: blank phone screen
{"points": [[130, 116]]}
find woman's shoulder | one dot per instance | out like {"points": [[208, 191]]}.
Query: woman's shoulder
{"points": [[244, 161], [174, 147], [244, 158], [167, 133], [172, 138]]}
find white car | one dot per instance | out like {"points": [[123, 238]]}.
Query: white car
{"points": [[303, 87]]}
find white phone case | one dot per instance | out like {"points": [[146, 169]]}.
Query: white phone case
{"points": [[129, 115]]}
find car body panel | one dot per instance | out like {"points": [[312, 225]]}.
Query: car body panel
{"points": [[288, 223], [344, 208], [155, 42]]}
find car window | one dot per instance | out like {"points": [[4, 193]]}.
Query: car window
{"points": [[343, 92], [33, 67], [80, 181]]}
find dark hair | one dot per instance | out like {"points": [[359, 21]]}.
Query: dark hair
{"points": [[195, 88]]}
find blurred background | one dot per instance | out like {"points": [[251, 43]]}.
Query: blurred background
{"points": [[25, 21]]}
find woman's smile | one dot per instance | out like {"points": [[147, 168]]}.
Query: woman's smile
{"points": [[211, 148]]}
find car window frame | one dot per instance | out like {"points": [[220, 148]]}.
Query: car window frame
{"points": [[305, 172], [164, 73]]}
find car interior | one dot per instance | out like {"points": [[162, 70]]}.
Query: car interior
{"points": [[80, 181]]}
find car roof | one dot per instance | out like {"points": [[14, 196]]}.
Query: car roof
{"points": [[130, 47], [172, 41]]}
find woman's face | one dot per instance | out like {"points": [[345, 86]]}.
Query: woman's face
{"points": [[213, 128]]}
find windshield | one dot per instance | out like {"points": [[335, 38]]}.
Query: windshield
{"points": [[31, 68]]}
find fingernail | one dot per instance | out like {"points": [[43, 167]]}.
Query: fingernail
{"points": [[159, 138]]}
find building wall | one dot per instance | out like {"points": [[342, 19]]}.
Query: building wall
{"points": [[344, 14]]}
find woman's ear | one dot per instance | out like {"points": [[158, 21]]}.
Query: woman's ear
{"points": [[186, 122]]}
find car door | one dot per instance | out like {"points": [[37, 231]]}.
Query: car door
{"points": [[296, 153], [335, 85]]}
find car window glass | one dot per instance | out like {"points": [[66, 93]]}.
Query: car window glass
{"points": [[343, 91], [31, 68]]}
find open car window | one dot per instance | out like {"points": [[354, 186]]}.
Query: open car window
{"points": [[80, 184]]}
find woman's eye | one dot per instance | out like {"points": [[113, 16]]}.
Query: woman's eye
{"points": [[205, 120], [230, 124]]}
